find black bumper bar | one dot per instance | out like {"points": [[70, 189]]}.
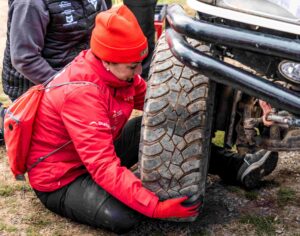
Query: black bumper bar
{"points": [[227, 74], [222, 72], [237, 38]]}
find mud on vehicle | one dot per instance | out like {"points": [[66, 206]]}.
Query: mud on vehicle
{"points": [[234, 67]]}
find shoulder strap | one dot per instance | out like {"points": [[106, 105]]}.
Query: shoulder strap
{"points": [[50, 79], [49, 154], [73, 82], [53, 76]]}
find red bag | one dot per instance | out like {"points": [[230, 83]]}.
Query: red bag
{"points": [[18, 124]]}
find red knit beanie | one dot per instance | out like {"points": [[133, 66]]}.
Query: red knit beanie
{"points": [[117, 37]]}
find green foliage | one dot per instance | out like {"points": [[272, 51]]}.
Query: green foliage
{"points": [[251, 195], [32, 231], [285, 196], [6, 190], [263, 225], [234, 189], [7, 228], [9, 190], [38, 220]]}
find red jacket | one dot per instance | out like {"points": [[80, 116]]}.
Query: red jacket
{"points": [[93, 117]]}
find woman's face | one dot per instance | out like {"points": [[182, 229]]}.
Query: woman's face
{"points": [[124, 71]]}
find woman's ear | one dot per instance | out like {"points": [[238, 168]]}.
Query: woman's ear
{"points": [[106, 65]]}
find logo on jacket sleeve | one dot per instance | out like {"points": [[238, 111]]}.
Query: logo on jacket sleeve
{"points": [[100, 123], [144, 52], [128, 99]]}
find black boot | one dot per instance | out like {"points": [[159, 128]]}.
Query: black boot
{"points": [[245, 170], [225, 164], [256, 166]]}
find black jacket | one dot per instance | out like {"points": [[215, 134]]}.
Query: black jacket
{"points": [[42, 37]]}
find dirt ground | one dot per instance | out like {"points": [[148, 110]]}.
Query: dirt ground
{"points": [[272, 209]]}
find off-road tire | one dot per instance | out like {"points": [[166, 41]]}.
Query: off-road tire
{"points": [[176, 127]]}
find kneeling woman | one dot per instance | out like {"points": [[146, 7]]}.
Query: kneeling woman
{"points": [[87, 178]]}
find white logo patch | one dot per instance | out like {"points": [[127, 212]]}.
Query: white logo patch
{"points": [[68, 12], [63, 4], [70, 20]]}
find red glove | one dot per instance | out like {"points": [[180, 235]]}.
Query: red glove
{"points": [[173, 208]]}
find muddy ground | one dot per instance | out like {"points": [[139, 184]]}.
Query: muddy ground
{"points": [[273, 209]]}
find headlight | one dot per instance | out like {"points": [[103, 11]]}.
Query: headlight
{"points": [[290, 70]]}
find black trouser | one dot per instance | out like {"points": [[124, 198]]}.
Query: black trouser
{"points": [[225, 164], [86, 202]]}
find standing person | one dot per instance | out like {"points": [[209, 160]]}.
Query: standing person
{"points": [[43, 37], [144, 11], [88, 180]]}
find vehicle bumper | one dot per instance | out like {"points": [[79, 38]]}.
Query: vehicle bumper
{"points": [[227, 74]]}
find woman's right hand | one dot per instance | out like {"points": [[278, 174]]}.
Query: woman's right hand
{"points": [[173, 208]]}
